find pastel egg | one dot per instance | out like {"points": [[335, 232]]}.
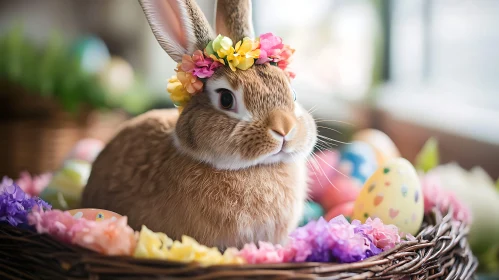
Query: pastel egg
{"points": [[383, 146], [358, 160], [86, 149], [312, 211], [93, 214], [65, 188], [392, 194], [321, 169], [341, 190], [345, 209], [92, 53], [117, 76]]}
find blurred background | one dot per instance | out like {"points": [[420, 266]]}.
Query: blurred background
{"points": [[413, 69]]}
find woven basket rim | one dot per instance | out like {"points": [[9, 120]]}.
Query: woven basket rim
{"points": [[440, 249]]}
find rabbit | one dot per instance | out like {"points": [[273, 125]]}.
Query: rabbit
{"points": [[225, 177]]}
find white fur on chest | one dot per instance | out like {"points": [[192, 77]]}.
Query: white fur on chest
{"points": [[279, 214]]}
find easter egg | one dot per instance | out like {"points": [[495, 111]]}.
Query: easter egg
{"points": [[117, 76], [358, 160], [92, 53], [65, 188], [86, 149], [342, 189], [383, 146], [94, 214], [345, 209], [312, 211], [392, 194], [321, 169]]}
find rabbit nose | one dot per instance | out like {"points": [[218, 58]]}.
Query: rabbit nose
{"points": [[281, 122]]}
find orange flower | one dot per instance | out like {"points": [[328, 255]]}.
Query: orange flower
{"points": [[190, 82]]}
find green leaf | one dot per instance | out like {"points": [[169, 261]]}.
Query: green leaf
{"points": [[15, 42], [429, 157], [489, 261]]}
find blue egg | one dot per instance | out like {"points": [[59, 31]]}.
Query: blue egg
{"points": [[92, 53], [358, 160], [312, 211]]}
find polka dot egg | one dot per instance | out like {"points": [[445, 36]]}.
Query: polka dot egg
{"points": [[393, 194], [94, 214]]}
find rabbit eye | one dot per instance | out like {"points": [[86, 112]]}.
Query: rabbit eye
{"points": [[227, 101]]}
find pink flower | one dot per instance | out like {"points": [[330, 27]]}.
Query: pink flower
{"points": [[56, 223], [436, 197], [200, 60], [267, 253], [383, 236], [33, 185], [461, 211], [199, 65], [270, 46], [111, 237], [206, 72], [187, 64], [283, 58]]}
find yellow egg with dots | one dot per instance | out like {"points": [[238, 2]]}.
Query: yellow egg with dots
{"points": [[392, 194]]}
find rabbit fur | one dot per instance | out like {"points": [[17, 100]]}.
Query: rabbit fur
{"points": [[225, 178]]}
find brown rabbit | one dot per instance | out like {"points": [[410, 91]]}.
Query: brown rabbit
{"points": [[231, 168]]}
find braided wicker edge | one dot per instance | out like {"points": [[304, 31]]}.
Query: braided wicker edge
{"points": [[440, 251]]}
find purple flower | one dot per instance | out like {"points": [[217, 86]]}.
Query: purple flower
{"points": [[322, 241], [334, 241], [15, 204]]}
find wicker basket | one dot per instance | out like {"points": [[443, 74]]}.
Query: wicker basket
{"points": [[440, 251], [36, 133]]}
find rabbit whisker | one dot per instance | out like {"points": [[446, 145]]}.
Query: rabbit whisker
{"points": [[330, 139], [319, 120], [322, 170], [325, 162], [325, 127]]}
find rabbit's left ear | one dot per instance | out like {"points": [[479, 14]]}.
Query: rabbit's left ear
{"points": [[179, 26], [233, 18]]}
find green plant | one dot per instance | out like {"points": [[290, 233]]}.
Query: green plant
{"points": [[53, 70]]}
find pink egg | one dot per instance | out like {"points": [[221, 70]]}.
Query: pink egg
{"points": [[94, 214], [345, 209], [320, 171], [86, 149], [345, 190]]}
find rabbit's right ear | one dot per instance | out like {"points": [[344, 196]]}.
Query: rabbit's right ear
{"points": [[179, 26]]}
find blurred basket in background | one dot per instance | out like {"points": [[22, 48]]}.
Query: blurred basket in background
{"points": [[37, 133]]}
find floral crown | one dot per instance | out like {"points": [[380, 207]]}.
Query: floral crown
{"points": [[195, 69]]}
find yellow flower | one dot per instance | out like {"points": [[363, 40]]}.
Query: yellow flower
{"points": [[222, 46], [152, 245], [246, 52], [178, 93], [230, 257], [215, 58]]}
